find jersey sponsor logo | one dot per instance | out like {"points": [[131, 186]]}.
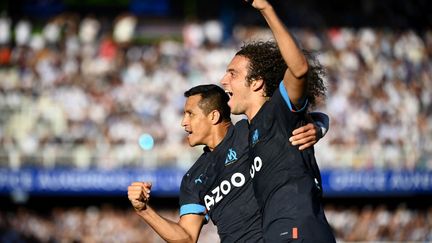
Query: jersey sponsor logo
{"points": [[225, 187], [255, 137], [231, 157], [256, 166]]}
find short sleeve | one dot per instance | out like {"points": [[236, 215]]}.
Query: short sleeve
{"points": [[189, 199], [287, 100]]}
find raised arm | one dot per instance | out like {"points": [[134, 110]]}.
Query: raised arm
{"points": [[186, 230], [291, 53]]}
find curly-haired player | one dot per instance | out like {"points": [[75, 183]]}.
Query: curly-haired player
{"points": [[273, 85]]}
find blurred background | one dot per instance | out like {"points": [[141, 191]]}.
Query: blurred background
{"points": [[91, 99]]}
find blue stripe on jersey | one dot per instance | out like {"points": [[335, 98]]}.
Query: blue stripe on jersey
{"points": [[285, 96], [193, 209]]}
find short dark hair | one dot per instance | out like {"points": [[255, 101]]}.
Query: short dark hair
{"points": [[266, 63], [213, 98]]}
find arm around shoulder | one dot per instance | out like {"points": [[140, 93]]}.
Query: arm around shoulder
{"points": [[322, 120]]}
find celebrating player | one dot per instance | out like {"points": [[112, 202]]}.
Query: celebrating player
{"points": [[218, 186], [273, 84]]}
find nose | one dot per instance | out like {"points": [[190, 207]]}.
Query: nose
{"points": [[224, 81], [183, 121]]}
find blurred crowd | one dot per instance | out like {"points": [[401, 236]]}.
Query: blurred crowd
{"points": [[80, 224], [380, 223], [81, 92], [108, 224], [379, 99]]}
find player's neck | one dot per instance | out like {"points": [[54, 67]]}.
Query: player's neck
{"points": [[255, 106], [218, 134]]}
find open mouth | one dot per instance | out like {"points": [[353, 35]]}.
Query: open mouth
{"points": [[229, 93]]}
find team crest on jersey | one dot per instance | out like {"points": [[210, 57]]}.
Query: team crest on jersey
{"points": [[231, 156], [255, 137]]}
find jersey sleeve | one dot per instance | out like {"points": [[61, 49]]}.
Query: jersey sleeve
{"points": [[279, 113], [287, 100], [189, 199]]}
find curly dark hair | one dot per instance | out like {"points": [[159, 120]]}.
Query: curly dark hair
{"points": [[266, 62]]}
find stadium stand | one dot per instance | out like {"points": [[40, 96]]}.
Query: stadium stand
{"points": [[71, 101]]}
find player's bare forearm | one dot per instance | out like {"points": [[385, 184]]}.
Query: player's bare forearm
{"points": [[292, 54], [168, 230], [186, 230]]}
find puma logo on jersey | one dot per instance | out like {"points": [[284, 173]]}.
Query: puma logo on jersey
{"points": [[200, 179]]}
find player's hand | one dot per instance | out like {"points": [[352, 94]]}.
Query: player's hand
{"points": [[258, 4], [305, 136], [139, 194]]}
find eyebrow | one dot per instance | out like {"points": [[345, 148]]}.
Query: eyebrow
{"points": [[231, 70]]}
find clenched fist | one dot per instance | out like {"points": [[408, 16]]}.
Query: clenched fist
{"points": [[139, 194]]}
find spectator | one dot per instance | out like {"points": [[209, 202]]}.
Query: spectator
{"points": [[65, 95]]}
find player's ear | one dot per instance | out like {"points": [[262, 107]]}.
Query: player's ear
{"points": [[215, 116], [257, 84]]}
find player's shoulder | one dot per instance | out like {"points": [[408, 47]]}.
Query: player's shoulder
{"points": [[199, 165], [242, 126], [281, 98], [195, 178], [241, 134]]}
